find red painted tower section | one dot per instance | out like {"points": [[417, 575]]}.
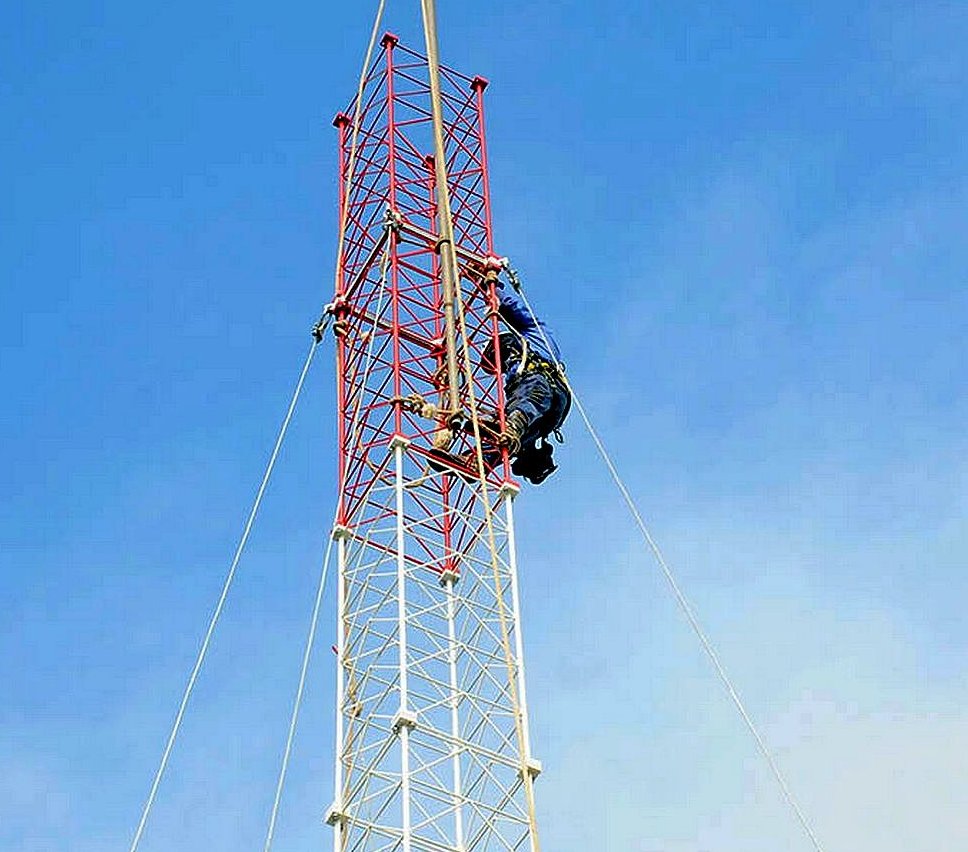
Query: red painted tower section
{"points": [[432, 728], [394, 174]]}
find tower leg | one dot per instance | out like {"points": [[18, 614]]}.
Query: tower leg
{"points": [[403, 723], [452, 651]]}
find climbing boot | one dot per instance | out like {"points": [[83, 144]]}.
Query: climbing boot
{"points": [[490, 428], [465, 465], [515, 425], [445, 462]]}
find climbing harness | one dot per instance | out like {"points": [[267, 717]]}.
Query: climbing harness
{"points": [[553, 371]]}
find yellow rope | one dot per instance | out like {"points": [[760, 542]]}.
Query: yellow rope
{"points": [[526, 778], [451, 273], [450, 279]]}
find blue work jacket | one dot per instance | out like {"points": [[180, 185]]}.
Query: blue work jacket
{"points": [[531, 328]]}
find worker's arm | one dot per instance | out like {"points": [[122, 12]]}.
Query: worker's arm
{"points": [[516, 314]]}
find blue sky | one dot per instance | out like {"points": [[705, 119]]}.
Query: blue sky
{"points": [[747, 225]]}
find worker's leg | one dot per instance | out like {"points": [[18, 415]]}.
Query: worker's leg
{"points": [[535, 460], [529, 398], [558, 408]]}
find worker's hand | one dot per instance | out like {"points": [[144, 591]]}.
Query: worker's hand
{"points": [[492, 263], [491, 267], [499, 264]]}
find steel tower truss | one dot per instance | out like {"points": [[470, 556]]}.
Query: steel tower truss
{"points": [[432, 742]]}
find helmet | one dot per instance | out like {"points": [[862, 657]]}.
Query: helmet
{"points": [[510, 349]]}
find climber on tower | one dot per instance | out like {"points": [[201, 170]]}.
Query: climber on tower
{"points": [[537, 398], [536, 394]]}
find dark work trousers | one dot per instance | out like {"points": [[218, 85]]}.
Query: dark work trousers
{"points": [[543, 401]]}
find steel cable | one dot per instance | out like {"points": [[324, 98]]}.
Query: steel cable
{"points": [[314, 618], [217, 613], [680, 596], [232, 570]]}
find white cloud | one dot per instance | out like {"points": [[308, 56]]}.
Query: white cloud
{"points": [[650, 756]]}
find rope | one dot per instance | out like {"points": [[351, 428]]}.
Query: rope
{"points": [[314, 619], [680, 596], [526, 778], [451, 276], [216, 615], [300, 689]]}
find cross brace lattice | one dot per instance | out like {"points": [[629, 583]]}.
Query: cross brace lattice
{"points": [[432, 733]]}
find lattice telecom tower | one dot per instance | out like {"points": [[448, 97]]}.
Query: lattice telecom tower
{"points": [[432, 741]]}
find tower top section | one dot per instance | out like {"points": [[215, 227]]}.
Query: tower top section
{"points": [[390, 304]]}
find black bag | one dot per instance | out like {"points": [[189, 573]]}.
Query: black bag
{"points": [[535, 463]]}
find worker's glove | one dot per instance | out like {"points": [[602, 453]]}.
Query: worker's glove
{"points": [[491, 268]]}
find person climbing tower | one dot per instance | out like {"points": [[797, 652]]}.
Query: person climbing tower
{"points": [[537, 398]]}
